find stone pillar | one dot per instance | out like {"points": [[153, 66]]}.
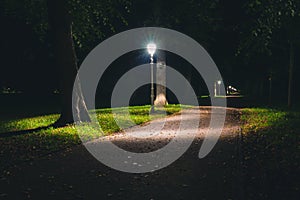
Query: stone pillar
{"points": [[161, 99]]}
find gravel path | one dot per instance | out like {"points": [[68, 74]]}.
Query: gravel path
{"points": [[75, 174], [157, 133]]}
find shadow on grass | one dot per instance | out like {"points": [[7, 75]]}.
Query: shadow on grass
{"points": [[22, 132]]}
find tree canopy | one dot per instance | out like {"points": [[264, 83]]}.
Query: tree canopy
{"points": [[249, 40]]}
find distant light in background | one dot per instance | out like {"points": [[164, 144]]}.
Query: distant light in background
{"points": [[219, 86]]}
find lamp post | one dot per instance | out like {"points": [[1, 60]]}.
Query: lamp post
{"points": [[219, 84], [151, 47]]}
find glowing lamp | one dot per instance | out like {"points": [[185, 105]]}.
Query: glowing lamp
{"points": [[151, 47]]}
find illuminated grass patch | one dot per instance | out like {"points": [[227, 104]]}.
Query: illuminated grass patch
{"points": [[27, 146]]}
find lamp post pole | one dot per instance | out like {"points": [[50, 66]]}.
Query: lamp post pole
{"points": [[151, 50], [152, 86]]}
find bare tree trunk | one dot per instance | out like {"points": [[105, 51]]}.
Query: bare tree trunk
{"points": [[161, 99], [291, 75], [65, 57]]}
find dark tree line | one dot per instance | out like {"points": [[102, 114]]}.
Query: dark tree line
{"points": [[254, 43]]}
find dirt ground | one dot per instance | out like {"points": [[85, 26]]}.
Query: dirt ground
{"points": [[76, 174]]}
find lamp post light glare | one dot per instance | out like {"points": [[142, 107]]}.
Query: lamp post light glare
{"points": [[151, 47]]}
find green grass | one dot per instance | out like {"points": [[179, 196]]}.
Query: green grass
{"points": [[271, 146], [28, 146], [267, 119], [277, 127], [106, 119]]}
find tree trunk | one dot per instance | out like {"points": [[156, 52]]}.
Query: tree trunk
{"points": [[65, 59], [270, 89], [291, 74], [161, 99]]}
